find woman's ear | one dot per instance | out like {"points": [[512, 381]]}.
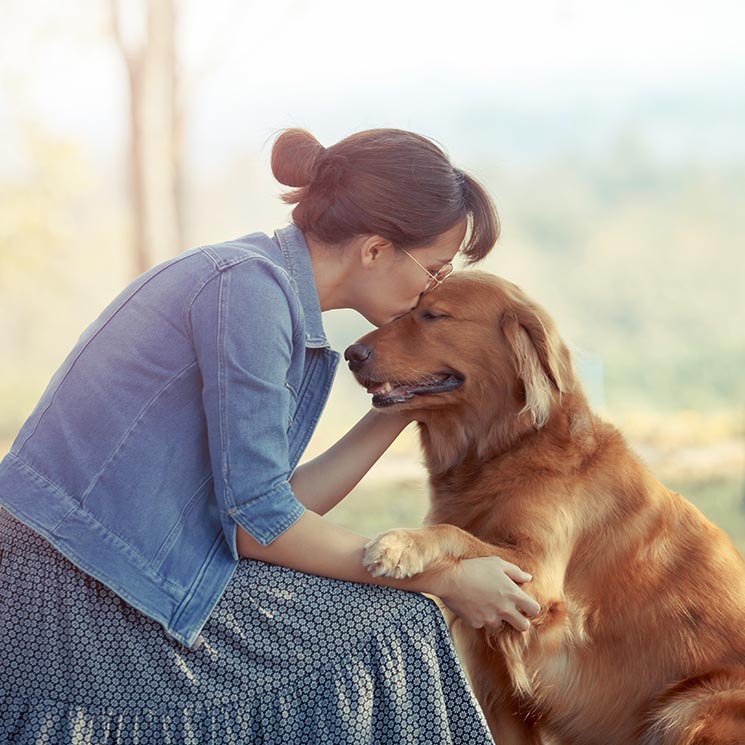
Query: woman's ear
{"points": [[372, 248], [541, 358]]}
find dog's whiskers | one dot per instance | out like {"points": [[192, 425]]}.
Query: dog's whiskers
{"points": [[413, 375], [420, 377]]}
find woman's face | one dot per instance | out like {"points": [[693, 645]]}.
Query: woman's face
{"points": [[391, 282]]}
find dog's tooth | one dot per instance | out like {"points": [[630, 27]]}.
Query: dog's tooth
{"points": [[387, 387]]}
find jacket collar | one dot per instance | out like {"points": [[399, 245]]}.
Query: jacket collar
{"points": [[297, 257]]}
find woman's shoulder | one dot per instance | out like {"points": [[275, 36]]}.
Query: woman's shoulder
{"points": [[251, 246], [256, 257], [255, 270]]}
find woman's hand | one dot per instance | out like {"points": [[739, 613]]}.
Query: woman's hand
{"points": [[485, 592]]}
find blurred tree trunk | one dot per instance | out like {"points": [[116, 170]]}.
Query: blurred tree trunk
{"points": [[155, 128]]}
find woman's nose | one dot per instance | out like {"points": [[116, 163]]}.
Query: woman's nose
{"points": [[355, 355]]}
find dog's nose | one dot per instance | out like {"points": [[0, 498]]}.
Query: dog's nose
{"points": [[355, 355]]}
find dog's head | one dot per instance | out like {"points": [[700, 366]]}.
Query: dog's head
{"points": [[476, 349]]}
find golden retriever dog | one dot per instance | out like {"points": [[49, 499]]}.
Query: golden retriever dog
{"points": [[641, 634]]}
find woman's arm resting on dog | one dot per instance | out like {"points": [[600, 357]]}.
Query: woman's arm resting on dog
{"points": [[483, 591], [324, 481]]}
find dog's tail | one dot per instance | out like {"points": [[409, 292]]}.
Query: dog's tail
{"points": [[706, 709]]}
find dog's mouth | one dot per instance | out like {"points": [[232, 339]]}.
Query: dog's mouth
{"points": [[386, 393]]}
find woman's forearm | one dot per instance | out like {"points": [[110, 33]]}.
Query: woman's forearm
{"points": [[316, 546], [324, 481], [484, 591]]}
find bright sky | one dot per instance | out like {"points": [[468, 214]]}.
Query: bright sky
{"points": [[252, 67], [511, 40]]}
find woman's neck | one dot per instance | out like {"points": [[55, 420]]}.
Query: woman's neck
{"points": [[331, 269]]}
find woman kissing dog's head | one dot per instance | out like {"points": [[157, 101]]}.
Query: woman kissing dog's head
{"points": [[476, 362]]}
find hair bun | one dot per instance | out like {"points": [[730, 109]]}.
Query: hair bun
{"points": [[329, 172], [294, 156]]}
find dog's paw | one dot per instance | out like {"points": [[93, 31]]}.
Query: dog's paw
{"points": [[393, 554]]}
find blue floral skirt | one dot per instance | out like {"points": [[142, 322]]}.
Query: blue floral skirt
{"points": [[287, 659]]}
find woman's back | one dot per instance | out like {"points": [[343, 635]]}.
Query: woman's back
{"points": [[113, 465]]}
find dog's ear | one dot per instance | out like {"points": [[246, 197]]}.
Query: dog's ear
{"points": [[541, 358]]}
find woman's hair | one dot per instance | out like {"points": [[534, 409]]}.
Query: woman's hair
{"points": [[387, 182]]}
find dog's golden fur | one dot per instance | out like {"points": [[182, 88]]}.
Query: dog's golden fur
{"points": [[641, 634]]}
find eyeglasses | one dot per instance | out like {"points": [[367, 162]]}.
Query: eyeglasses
{"points": [[435, 280]]}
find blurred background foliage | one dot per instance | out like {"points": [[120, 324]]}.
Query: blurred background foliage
{"points": [[619, 177]]}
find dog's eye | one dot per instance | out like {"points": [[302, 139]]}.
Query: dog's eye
{"points": [[429, 315]]}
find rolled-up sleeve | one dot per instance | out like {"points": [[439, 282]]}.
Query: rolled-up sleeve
{"points": [[243, 323]]}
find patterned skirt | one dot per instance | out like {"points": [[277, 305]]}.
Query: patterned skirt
{"points": [[287, 659]]}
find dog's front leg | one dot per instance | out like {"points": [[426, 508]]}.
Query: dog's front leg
{"points": [[405, 552]]}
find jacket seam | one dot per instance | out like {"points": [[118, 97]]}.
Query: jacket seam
{"points": [[124, 436], [52, 531], [220, 271], [221, 390], [55, 487], [222, 329], [136, 289], [282, 240], [221, 264], [120, 589], [127, 547], [300, 445], [309, 368], [284, 488], [277, 530], [211, 255], [177, 526], [191, 590], [187, 307]]}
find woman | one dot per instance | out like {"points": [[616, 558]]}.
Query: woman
{"points": [[164, 450]]}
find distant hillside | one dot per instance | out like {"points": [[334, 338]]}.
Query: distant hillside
{"points": [[642, 264], [640, 259]]}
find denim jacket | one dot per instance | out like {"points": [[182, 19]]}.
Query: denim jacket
{"points": [[180, 412]]}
